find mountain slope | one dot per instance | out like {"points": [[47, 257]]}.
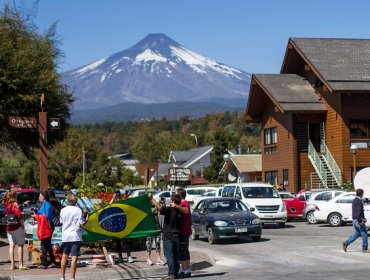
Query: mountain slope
{"points": [[129, 111], [155, 70]]}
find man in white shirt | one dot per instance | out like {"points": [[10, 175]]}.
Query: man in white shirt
{"points": [[73, 220]]}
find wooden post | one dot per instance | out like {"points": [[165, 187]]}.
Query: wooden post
{"points": [[43, 151]]}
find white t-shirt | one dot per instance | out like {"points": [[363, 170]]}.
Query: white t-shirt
{"points": [[72, 218]]}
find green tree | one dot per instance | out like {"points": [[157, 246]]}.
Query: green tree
{"points": [[106, 170], [28, 67], [66, 159], [129, 178], [220, 141]]}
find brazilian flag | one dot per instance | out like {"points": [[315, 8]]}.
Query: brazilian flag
{"points": [[128, 218]]}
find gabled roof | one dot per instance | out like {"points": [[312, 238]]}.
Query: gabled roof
{"points": [[247, 163], [341, 64], [187, 158], [288, 92]]}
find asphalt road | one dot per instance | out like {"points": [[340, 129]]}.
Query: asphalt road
{"points": [[299, 251]]}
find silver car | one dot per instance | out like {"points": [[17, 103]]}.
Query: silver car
{"points": [[316, 196]]}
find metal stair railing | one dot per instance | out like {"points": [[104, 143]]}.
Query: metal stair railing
{"points": [[313, 181], [317, 163], [332, 164]]}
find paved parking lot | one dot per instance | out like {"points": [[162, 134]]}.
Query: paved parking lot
{"points": [[299, 251]]}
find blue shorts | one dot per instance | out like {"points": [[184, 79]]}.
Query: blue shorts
{"points": [[71, 248]]}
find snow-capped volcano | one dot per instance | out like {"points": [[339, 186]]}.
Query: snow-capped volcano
{"points": [[155, 70]]}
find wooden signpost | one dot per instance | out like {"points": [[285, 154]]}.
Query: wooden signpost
{"points": [[42, 124], [23, 122]]}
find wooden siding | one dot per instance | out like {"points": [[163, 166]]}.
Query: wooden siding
{"points": [[306, 169], [285, 158], [355, 107]]}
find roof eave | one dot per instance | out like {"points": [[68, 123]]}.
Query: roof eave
{"points": [[292, 45]]}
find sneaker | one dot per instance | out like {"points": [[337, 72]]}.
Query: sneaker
{"points": [[149, 262], [24, 268], [53, 265], [345, 245], [169, 277], [365, 251], [119, 260], [130, 259], [41, 266], [184, 274], [160, 262]]}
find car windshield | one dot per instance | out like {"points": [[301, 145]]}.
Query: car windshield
{"points": [[260, 192], [226, 206]]}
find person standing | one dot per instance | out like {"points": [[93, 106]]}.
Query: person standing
{"points": [[73, 220], [15, 233], [43, 217], [358, 222], [170, 234], [185, 232], [126, 241], [155, 239]]}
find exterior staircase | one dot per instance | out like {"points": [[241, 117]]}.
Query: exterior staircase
{"points": [[327, 172]]}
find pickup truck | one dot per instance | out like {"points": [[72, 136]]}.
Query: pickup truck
{"points": [[296, 205]]}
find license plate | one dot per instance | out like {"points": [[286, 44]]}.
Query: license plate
{"points": [[241, 229], [268, 216]]}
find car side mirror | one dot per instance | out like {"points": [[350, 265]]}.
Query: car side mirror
{"points": [[252, 209]]}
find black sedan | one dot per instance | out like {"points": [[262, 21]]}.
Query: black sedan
{"points": [[219, 218]]}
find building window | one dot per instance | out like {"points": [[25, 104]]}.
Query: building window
{"points": [[285, 177], [270, 136], [271, 177], [360, 133], [270, 140], [359, 128]]}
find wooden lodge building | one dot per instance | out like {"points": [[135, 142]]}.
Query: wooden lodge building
{"points": [[312, 112]]}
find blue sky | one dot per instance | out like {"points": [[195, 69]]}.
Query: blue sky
{"points": [[249, 35]]}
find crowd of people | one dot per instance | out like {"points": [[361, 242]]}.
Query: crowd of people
{"points": [[173, 224]]}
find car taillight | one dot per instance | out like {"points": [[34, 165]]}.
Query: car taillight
{"points": [[317, 208]]}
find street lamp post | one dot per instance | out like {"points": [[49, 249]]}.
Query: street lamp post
{"points": [[196, 139], [354, 149], [175, 170], [226, 160]]}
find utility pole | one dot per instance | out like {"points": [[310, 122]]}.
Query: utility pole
{"points": [[83, 166]]}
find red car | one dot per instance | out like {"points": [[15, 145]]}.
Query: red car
{"points": [[296, 205]]}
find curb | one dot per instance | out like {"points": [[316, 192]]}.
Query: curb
{"points": [[113, 272]]}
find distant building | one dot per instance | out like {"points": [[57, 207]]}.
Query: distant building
{"points": [[243, 168], [187, 166]]}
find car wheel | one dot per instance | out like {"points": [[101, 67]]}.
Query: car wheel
{"points": [[211, 239], [310, 217], [194, 236], [281, 225], [256, 238], [335, 220]]}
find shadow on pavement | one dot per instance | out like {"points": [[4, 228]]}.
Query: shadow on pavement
{"points": [[216, 274], [240, 240]]}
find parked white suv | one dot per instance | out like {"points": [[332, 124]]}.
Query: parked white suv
{"points": [[264, 198], [338, 210]]}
